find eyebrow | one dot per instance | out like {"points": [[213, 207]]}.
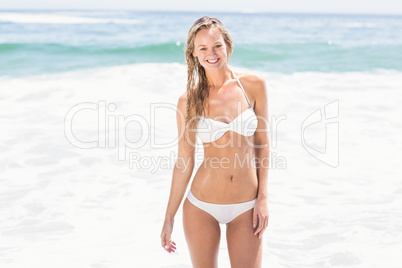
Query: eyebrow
{"points": [[205, 45]]}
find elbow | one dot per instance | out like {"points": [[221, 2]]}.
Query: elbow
{"points": [[262, 141]]}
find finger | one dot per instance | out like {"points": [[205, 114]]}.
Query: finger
{"points": [[265, 227], [254, 219], [172, 249], [262, 232], [168, 245], [260, 225]]}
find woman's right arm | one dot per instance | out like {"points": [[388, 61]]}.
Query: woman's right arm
{"points": [[181, 174]]}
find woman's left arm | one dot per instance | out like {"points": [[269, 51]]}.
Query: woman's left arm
{"points": [[261, 141]]}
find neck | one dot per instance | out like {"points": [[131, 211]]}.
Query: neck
{"points": [[216, 78]]}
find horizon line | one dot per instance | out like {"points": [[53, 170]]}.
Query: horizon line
{"points": [[245, 11]]}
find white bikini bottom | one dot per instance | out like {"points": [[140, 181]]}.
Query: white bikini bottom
{"points": [[223, 213]]}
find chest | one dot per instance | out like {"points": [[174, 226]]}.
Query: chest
{"points": [[226, 105]]}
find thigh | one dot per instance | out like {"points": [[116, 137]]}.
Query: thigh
{"points": [[203, 234], [245, 248]]}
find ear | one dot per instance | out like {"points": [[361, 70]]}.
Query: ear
{"points": [[229, 51]]}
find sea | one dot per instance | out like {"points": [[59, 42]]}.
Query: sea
{"points": [[88, 136], [36, 42]]}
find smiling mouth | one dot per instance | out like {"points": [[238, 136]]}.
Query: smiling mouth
{"points": [[213, 62]]}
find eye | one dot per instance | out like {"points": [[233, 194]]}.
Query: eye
{"points": [[203, 48], [217, 46]]}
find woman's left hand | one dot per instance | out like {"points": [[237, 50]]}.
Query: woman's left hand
{"points": [[260, 216]]}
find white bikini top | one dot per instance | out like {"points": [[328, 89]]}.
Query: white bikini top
{"points": [[210, 130]]}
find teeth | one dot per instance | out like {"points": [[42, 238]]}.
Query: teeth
{"points": [[212, 61]]}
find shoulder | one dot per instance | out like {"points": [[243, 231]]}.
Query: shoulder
{"points": [[253, 83], [182, 102]]}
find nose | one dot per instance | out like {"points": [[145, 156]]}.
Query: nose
{"points": [[212, 52]]}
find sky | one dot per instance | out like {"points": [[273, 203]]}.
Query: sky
{"points": [[292, 6]]}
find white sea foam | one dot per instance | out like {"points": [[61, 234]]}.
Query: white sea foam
{"points": [[64, 206], [59, 19], [359, 25]]}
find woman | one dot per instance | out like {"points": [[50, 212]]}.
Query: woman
{"points": [[228, 111]]}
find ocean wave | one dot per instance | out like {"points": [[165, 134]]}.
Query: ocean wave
{"points": [[20, 58], [59, 19], [359, 25], [55, 48]]}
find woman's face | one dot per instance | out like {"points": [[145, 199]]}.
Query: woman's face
{"points": [[210, 48]]}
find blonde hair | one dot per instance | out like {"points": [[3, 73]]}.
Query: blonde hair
{"points": [[197, 83]]}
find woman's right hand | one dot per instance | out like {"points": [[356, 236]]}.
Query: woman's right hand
{"points": [[166, 234]]}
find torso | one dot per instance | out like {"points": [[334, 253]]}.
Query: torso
{"points": [[227, 174]]}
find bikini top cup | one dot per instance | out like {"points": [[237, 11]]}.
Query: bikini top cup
{"points": [[245, 124]]}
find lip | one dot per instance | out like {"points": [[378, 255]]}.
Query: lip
{"points": [[217, 60]]}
